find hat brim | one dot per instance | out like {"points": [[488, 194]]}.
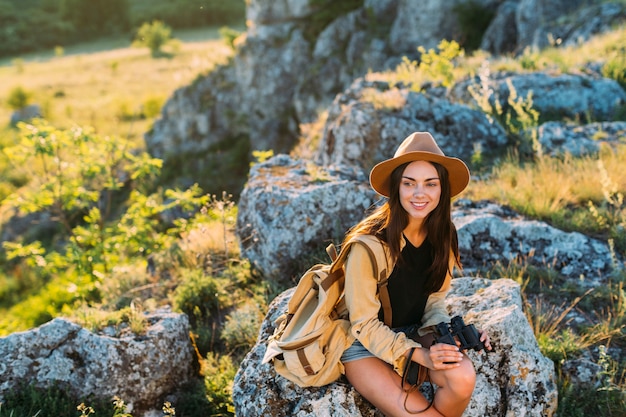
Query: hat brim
{"points": [[458, 173]]}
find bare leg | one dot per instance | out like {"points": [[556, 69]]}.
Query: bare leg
{"points": [[454, 388], [381, 385]]}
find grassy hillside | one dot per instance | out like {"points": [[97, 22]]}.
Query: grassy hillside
{"points": [[135, 261]]}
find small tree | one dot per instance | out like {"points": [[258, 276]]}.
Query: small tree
{"points": [[19, 98], [153, 35]]}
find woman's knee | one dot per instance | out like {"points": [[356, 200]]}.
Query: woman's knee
{"points": [[459, 380], [463, 379]]}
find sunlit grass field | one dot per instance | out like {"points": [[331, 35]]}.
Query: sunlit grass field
{"points": [[108, 84]]}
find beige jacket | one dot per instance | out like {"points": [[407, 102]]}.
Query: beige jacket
{"points": [[363, 304]]}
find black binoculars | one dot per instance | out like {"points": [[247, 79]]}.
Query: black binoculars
{"points": [[466, 334]]}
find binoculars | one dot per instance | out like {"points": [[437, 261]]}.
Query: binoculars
{"points": [[466, 334]]}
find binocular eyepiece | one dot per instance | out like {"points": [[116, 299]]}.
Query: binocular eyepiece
{"points": [[466, 334]]}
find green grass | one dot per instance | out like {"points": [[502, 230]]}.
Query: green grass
{"points": [[95, 84]]}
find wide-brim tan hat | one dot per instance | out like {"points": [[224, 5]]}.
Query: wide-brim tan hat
{"points": [[420, 146]]}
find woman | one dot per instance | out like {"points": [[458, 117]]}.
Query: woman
{"points": [[416, 229]]}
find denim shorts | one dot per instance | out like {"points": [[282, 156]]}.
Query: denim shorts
{"points": [[358, 351]]}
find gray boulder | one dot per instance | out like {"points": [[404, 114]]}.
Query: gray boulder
{"points": [[557, 97], [516, 379], [491, 234], [560, 138], [290, 208], [26, 114], [358, 132], [140, 369]]}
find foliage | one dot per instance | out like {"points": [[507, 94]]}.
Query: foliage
{"points": [[615, 68], [585, 400], [66, 22], [95, 17], [198, 294], [19, 98], [229, 35], [434, 66], [241, 327], [219, 372], [48, 402], [98, 192], [154, 36], [518, 118], [188, 13]]}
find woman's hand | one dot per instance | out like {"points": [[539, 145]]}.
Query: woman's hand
{"points": [[440, 356], [484, 338]]}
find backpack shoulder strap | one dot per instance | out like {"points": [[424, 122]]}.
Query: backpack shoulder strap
{"points": [[378, 254], [379, 258]]}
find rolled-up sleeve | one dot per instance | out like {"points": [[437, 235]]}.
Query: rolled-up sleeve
{"points": [[363, 303]]}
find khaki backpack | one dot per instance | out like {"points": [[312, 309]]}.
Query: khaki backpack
{"points": [[311, 336]]}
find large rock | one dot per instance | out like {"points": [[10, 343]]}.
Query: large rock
{"points": [[368, 121], [515, 380], [540, 23], [140, 369], [560, 138], [490, 234], [557, 97], [291, 207], [428, 22]]}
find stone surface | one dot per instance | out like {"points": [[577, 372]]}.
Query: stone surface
{"points": [[555, 97], [358, 132], [560, 138], [515, 380], [490, 234], [140, 369], [290, 207]]}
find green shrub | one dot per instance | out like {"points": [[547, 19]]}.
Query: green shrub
{"points": [[154, 36], [219, 372], [229, 35], [197, 295], [19, 98], [241, 328], [151, 107]]}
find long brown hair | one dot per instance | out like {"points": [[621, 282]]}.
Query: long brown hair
{"points": [[388, 221]]}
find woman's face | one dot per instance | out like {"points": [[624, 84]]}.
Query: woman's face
{"points": [[420, 189]]}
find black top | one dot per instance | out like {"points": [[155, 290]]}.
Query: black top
{"points": [[406, 285]]}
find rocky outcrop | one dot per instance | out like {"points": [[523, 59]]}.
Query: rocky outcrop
{"points": [[296, 57], [140, 369], [515, 380], [290, 207]]}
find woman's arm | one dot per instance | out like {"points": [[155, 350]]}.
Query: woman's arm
{"points": [[361, 297]]}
